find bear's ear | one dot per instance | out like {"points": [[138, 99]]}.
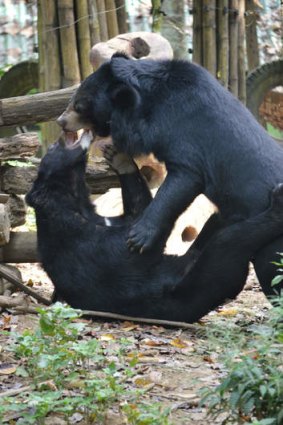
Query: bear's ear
{"points": [[124, 69], [124, 96]]}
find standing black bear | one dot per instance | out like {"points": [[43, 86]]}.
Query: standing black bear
{"points": [[208, 140], [91, 266]]}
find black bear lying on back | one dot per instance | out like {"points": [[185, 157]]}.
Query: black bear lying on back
{"points": [[91, 266], [208, 140]]}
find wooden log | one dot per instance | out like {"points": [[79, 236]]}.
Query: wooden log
{"points": [[69, 53], [36, 108], [22, 248], [19, 146], [17, 210], [111, 18], [197, 32], [18, 180], [83, 37], [4, 198], [121, 16], [223, 43], [93, 22], [209, 36], [241, 53], [102, 20], [4, 224], [233, 46]]}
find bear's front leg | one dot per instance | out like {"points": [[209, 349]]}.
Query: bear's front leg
{"points": [[175, 194]]}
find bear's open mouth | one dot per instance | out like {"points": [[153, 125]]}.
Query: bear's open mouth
{"points": [[72, 140]]}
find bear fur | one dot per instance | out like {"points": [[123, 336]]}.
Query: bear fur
{"points": [[87, 258], [209, 142]]}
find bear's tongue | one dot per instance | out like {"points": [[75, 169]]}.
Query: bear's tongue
{"points": [[70, 138], [73, 139]]}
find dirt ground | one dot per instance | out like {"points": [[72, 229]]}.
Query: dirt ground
{"points": [[173, 363]]}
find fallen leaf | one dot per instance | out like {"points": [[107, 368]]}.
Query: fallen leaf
{"points": [[178, 343], [107, 337], [50, 385], [228, 312], [208, 359], [6, 325], [142, 382], [30, 283], [6, 369], [151, 342], [129, 326]]}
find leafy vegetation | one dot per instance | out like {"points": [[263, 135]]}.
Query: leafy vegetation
{"points": [[251, 392], [70, 376]]}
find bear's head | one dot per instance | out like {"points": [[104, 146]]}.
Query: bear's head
{"points": [[115, 85]]}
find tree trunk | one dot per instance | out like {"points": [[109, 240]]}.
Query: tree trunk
{"points": [[93, 22], [197, 32], [233, 46], [111, 18], [241, 54], [209, 36], [251, 36], [83, 37], [102, 20], [156, 15], [173, 24], [69, 52], [122, 16], [223, 42], [49, 61]]}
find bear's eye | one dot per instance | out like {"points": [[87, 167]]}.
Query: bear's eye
{"points": [[79, 108]]}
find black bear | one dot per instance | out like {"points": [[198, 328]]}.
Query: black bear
{"points": [[208, 140], [87, 258]]}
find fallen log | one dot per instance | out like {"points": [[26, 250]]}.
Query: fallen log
{"points": [[19, 146], [34, 108], [18, 180], [5, 223], [22, 248]]}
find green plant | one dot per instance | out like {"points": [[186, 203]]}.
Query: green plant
{"points": [[73, 376], [252, 390], [144, 414], [277, 279]]}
